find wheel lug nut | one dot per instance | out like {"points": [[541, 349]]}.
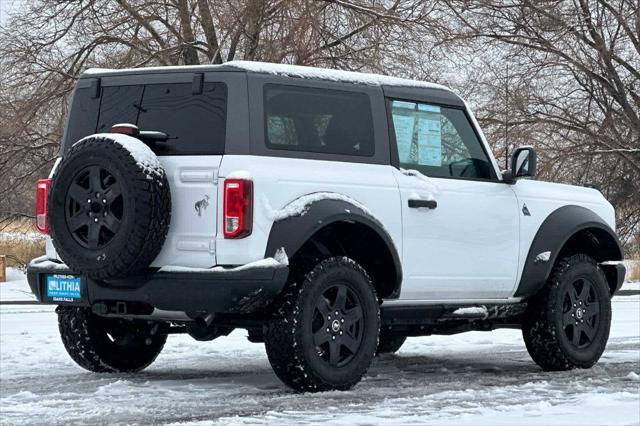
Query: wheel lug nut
{"points": [[333, 337], [328, 330], [341, 332], [104, 201], [88, 200], [342, 320], [337, 313], [104, 214], [329, 317], [574, 305], [97, 195], [95, 220]]}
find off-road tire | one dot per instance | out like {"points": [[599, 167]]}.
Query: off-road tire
{"points": [[290, 341], [546, 337], [85, 336], [389, 343], [145, 207]]}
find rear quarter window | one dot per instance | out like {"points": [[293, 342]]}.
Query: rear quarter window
{"points": [[318, 120]]}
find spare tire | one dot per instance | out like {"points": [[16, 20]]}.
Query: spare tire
{"points": [[109, 206]]}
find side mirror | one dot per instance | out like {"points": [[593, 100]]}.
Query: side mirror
{"points": [[523, 164]]}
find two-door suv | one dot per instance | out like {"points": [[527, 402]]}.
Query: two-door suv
{"points": [[331, 214]]}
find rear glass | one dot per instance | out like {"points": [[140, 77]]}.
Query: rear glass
{"points": [[119, 104], [195, 123], [318, 120]]}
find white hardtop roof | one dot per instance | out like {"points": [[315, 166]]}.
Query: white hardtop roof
{"points": [[283, 70]]}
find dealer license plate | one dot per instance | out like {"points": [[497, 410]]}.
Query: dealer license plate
{"points": [[64, 288]]}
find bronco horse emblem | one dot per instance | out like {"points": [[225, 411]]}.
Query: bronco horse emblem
{"points": [[202, 205]]}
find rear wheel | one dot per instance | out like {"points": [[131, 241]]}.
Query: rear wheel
{"points": [[567, 324], [326, 332], [101, 344]]}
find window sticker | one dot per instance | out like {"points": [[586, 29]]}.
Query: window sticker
{"points": [[429, 108], [418, 133], [430, 137], [411, 106], [404, 124]]}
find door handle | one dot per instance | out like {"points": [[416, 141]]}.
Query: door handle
{"points": [[430, 204]]}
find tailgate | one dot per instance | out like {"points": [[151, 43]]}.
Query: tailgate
{"points": [[194, 193]]}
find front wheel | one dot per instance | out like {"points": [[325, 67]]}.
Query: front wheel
{"points": [[567, 324], [326, 333], [102, 344]]}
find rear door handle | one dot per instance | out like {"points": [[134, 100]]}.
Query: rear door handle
{"points": [[430, 204]]}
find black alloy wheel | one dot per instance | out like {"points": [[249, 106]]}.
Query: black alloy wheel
{"points": [[580, 313], [94, 207], [337, 325]]}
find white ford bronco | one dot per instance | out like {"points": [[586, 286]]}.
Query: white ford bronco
{"points": [[331, 214]]}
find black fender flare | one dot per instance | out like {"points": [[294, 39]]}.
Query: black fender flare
{"points": [[294, 231], [553, 234]]}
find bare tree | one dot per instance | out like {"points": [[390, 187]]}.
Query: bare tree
{"points": [[576, 77]]}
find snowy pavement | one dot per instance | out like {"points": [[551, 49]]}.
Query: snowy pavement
{"points": [[471, 378]]}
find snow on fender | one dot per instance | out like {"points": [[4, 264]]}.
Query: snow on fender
{"points": [[109, 206]]}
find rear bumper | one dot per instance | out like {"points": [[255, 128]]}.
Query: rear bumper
{"points": [[241, 291]]}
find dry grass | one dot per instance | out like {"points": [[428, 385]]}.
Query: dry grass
{"points": [[633, 270], [21, 242]]}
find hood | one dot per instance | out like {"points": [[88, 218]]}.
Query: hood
{"points": [[556, 195]]}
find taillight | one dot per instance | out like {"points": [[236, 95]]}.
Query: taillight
{"points": [[42, 191], [238, 208]]}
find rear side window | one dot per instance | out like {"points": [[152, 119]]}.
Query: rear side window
{"points": [[194, 122], [318, 120]]}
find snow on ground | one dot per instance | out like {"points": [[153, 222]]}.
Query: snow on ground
{"points": [[631, 286], [16, 287], [21, 236], [471, 378]]}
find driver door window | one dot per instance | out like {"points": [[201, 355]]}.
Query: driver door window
{"points": [[438, 141]]}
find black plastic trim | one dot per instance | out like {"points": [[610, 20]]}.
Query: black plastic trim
{"points": [[552, 235], [197, 84], [293, 232], [615, 274], [430, 204], [240, 292], [424, 94]]}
